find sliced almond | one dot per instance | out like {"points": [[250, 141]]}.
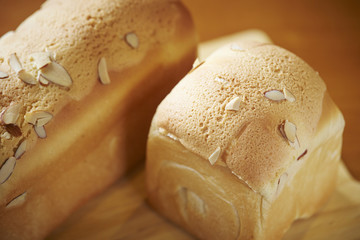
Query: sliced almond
{"points": [[132, 40], [41, 59], [215, 156], [6, 135], [290, 131], [15, 63], [172, 136], [234, 104], [236, 47], [20, 150], [13, 129], [274, 95], [3, 75], [40, 131], [11, 114], [57, 74], [103, 72], [17, 201], [289, 134], [38, 118], [196, 64], [7, 169], [42, 80], [26, 77], [288, 95]]}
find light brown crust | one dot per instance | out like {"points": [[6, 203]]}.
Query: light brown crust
{"points": [[252, 146], [79, 33], [96, 130]]}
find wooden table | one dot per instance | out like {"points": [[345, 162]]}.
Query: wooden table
{"points": [[326, 34]]}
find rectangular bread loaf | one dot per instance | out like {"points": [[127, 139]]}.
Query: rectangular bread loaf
{"points": [[245, 144], [80, 81]]}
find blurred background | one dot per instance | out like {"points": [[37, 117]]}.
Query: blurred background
{"points": [[325, 33]]}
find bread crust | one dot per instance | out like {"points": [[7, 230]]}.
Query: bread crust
{"points": [[249, 138], [97, 131], [256, 189]]}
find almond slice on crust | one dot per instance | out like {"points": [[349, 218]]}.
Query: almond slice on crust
{"points": [[103, 72], [215, 156], [55, 73], [7, 169]]}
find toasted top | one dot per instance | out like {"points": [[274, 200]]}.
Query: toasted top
{"points": [[251, 106], [58, 54]]}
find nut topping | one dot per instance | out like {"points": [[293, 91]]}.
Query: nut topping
{"points": [[196, 64], [26, 77], [103, 72], [288, 95], [11, 114], [274, 95], [41, 59], [42, 80], [3, 75], [15, 63], [290, 131], [6, 135], [7, 169], [40, 131], [38, 118], [17, 201], [57, 74], [234, 104], [132, 40], [20, 150], [215, 156]]}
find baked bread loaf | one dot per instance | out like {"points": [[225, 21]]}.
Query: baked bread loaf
{"points": [[246, 143], [80, 82]]}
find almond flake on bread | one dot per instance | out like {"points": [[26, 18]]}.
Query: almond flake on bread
{"points": [[7, 169], [234, 104], [215, 156], [17, 201], [103, 72], [3, 75]]}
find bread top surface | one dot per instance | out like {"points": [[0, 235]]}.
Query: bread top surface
{"points": [[198, 111], [78, 34]]}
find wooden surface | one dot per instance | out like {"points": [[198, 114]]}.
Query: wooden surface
{"points": [[122, 213], [324, 33]]}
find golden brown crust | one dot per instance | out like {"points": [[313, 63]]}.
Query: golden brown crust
{"points": [[198, 110], [96, 130]]}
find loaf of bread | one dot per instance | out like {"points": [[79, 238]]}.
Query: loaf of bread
{"points": [[245, 144], [79, 84]]}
